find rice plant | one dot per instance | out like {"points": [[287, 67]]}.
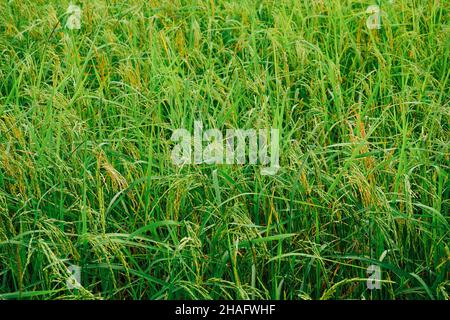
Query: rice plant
{"points": [[92, 91]]}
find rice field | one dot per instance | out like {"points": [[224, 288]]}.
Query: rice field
{"points": [[92, 205]]}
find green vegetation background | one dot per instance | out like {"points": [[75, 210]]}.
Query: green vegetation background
{"points": [[86, 176]]}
